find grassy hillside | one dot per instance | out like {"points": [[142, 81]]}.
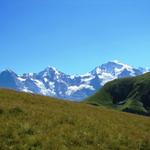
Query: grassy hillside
{"points": [[30, 122], [128, 94]]}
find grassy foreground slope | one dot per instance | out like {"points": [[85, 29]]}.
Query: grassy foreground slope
{"points": [[127, 94], [30, 122]]}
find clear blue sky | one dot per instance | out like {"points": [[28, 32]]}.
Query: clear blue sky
{"points": [[73, 35]]}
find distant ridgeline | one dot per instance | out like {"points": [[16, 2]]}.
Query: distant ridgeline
{"points": [[51, 82], [127, 94]]}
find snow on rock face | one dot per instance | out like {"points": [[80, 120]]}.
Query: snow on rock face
{"points": [[26, 90], [73, 89], [21, 79], [51, 82], [105, 77]]}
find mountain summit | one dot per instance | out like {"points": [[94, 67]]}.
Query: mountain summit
{"points": [[52, 82]]}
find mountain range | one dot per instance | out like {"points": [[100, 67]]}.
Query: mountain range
{"points": [[52, 82]]}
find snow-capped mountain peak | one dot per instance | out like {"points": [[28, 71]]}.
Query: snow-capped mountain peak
{"points": [[8, 71], [51, 68], [52, 82]]}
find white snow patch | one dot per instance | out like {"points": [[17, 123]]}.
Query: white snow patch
{"points": [[98, 70], [87, 79], [72, 77], [43, 89], [85, 75], [45, 79], [124, 67], [73, 89], [21, 79], [106, 77], [26, 90], [52, 84], [31, 74]]}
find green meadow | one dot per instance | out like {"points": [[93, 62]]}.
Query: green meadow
{"points": [[32, 122]]}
